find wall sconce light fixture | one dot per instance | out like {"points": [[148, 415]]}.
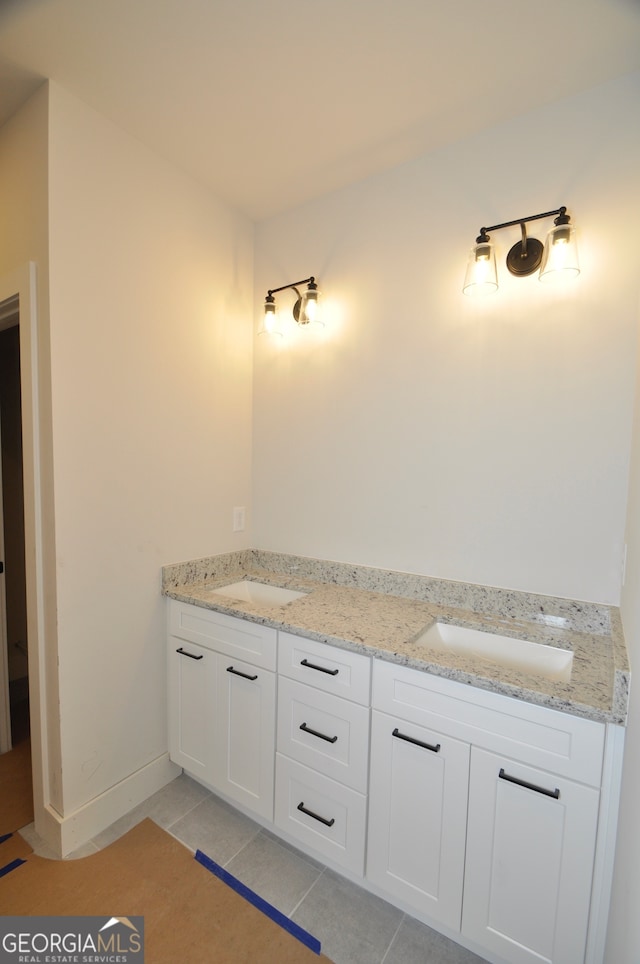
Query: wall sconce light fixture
{"points": [[557, 259], [306, 309]]}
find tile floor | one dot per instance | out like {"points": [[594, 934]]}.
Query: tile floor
{"points": [[354, 926]]}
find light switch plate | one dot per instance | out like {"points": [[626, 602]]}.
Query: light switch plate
{"points": [[238, 518]]}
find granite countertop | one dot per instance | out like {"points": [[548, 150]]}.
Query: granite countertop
{"points": [[343, 606]]}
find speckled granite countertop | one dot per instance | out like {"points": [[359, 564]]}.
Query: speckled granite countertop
{"points": [[382, 613]]}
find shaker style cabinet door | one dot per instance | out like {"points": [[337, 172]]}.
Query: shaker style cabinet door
{"points": [[245, 738], [530, 852], [192, 696], [417, 816]]}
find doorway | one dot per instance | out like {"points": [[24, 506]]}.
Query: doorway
{"points": [[18, 302], [13, 611]]}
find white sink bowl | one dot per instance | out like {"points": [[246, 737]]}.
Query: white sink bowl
{"points": [[535, 658], [258, 592]]}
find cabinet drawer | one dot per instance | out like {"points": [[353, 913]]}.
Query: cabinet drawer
{"points": [[235, 637], [323, 815], [328, 668], [558, 742], [325, 732]]}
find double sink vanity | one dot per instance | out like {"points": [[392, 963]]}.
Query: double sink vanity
{"points": [[454, 749]]}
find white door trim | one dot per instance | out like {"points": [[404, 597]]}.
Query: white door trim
{"points": [[5, 703], [22, 283]]}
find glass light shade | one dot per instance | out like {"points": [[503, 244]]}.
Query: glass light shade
{"points": [[270, 323], [310, 308], [560, 257], [481, 277]]}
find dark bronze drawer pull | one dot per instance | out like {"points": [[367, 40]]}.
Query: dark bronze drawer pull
{"points": [[530, 786], [310, 813], [183, 652], [236, 672], [321, 669], [321, 736], [411, 739]]}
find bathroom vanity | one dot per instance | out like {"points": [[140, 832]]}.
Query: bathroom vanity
{"points": [[471, 778]]}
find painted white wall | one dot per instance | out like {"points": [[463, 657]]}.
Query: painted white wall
{"points": [[483, 440], [23, 186], [623, 938], [151, 358]]}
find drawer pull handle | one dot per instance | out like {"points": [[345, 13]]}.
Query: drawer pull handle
{"points": [[411, 739], [310, 813], [236, 672], [321, 669], [321, 736], [183, 652], [530, 786]]}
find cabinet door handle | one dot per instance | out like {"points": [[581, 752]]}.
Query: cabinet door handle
{"points": [[183, 652], [236, 672], [321, 669], [529, 786], [412, 739], [321, 736], [310, 813]]}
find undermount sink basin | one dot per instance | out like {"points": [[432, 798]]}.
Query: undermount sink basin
{"points": [[536, 658], [258, 592]]}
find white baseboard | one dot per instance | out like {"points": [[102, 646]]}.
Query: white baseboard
{"points": [[66, 834]]}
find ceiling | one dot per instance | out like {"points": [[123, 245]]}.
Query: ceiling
{"points": [[273, 102]]}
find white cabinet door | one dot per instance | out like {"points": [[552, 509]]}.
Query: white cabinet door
{"points": [[245, 734], [192, 686], [417, 816], [530, 852]]}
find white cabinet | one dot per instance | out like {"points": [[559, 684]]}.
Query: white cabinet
{"points": [[244, 734], [530, 855], [512, 867], [222, 703], [237, 638], [324, 732], [323, 749], [192, 674], [417, 816], [328, 668], [487, 815], [322, 815]]}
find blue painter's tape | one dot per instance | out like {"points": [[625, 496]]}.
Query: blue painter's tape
{"points": [[5, 836], [285, 922], [12, 866]]}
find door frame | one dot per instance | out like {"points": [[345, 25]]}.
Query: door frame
{"points": [[5, 696], [21, 284]]}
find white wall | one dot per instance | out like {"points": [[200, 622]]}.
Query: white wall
{"points": [[151, 357], [624, 922], [479, 440]]}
